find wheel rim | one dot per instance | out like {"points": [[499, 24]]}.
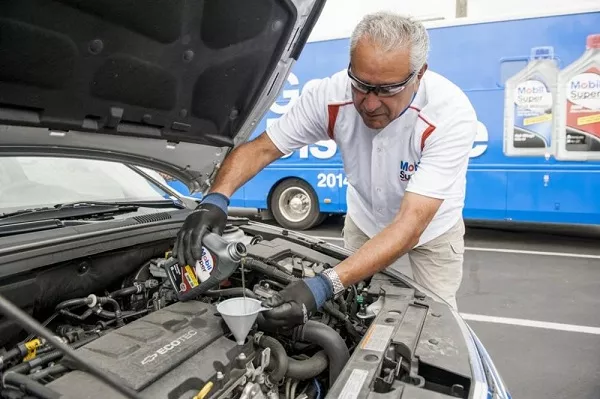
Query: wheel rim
{"points": [[295, 204]]}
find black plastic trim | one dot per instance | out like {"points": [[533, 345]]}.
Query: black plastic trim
{"points": [[311, 21]]}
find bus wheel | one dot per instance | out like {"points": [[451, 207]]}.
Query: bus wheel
{"points": [[295, 205]]}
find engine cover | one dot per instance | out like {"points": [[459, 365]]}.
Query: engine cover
{"points": [[169, 353]]}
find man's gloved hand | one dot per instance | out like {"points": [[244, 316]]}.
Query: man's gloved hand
{"points": [[209, 216], [295, 304]]}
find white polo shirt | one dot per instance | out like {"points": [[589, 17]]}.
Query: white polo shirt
{"points": [[425, 151]]}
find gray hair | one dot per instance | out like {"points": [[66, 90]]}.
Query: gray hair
{"points": [[394, 32]]}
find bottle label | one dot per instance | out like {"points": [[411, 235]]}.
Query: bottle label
{"points": [[533, 115], [583, 112], [205, 265], [183, 278]]}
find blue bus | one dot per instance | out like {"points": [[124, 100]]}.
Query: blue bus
{"points": [[301, 188]]}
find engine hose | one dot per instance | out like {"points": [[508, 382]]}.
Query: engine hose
{"points": [[271, 271], [50, 356], [328, 339], [343, 305], [54, 369], [70, 303], [84, 316], [30, 386], [38, 361], [105, 300], [107, 314], [8, 356], [127, 315], [237, 291], [126, 291], [309, 368], [115, 304], [278, 354], [328, 307]]}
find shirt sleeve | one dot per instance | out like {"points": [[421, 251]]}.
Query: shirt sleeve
{"points": [[445, 158], [305, 122]]}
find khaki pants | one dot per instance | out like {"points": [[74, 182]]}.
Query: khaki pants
{"points": [[436, 265]]}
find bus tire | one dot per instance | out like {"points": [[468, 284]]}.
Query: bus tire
{"points": [[295, 205]]}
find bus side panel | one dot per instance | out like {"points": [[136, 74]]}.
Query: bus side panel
{"points": [[554, 196], [486, 195], [324, 181]]}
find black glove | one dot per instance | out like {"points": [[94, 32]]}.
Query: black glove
{"points": [[292, 306], [209, 216]]}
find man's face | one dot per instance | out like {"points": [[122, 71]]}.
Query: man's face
{"points": [[374, 67]]}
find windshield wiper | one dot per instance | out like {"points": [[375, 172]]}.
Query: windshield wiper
{"points": [[84, 208], [166, 203]]}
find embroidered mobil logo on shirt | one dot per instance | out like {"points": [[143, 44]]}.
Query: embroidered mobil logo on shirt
{"points": [[407, 169]]}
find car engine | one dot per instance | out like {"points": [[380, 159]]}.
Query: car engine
{"points": [[366, 342]]}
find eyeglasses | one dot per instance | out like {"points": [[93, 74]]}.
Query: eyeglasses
{"points": [[385, 90]]}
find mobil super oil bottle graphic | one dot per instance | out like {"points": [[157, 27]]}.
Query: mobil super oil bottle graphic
{"points": [[528, 100], [577, 122]]}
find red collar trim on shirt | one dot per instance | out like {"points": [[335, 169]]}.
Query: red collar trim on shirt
{"points": [[332, 110], [427, 131]]}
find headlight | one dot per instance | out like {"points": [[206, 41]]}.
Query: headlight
{"points": [[487, 382]]}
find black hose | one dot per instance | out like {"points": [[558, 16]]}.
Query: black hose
{"points": [[126, 291], [309, 368], [55, 354], [84, 316], [333, 344], [30, 386], [107, 314], [38, 361], [8, 356], [278, 354], [343, 305], [104, 300], [328, 307], [54, 369], [70, 303], [88, 301], [127, 315], [115, 304], [29, 323], [237, 291]]}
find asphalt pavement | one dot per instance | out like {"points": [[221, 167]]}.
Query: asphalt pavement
{"points": [[533, 298]]}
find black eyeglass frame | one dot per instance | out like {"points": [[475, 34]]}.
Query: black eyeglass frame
{"points": [[384, 90]]}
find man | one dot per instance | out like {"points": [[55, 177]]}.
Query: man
{"points": [[404, 133]]}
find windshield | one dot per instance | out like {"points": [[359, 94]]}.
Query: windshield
{"points": [[32, 182]]}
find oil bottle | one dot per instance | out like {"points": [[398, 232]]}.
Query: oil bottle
{"points": [[577, 122], [220, 258], [528, 100]]}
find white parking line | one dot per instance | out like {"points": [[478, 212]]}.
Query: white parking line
{"points": [[526, 252], [502, 250], [532, 323]]}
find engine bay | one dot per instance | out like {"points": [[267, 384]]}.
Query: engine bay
{"points": [[381, 338]]}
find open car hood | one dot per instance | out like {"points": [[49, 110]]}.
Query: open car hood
{"points": [[168, 84]]}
